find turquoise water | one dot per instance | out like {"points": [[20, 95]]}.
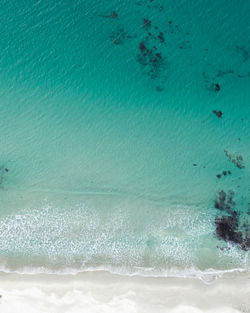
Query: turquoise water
{"points": [[109, 146]]}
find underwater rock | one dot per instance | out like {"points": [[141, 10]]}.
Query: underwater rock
{"points": [[161, 37], [246, 244], [226, 229], [224, 173], [152, 62], [211, 85], [236, 159], [225, 202], [243, 51], [113, 14], [143, 48], [221, 203], [146, 23], [159, 88], [227, 226], [215, 87], [222, 73], [119, 35], [3, 170], [217, 113]]}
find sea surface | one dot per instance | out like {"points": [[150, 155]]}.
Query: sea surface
{"points": [[121, 122]]}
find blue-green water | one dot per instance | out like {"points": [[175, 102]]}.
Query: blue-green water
{"points": [[108, 134]]}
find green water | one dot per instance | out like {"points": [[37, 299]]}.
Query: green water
{"points": [[112, 160]]}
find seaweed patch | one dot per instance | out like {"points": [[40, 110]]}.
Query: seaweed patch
{"points": [[113, 14], [221, 73], [227, 226], [152, 62], [236, 159], [119, 35], [3, 170], [243, 52], [210, 85], [146, 23], [217, 113]]}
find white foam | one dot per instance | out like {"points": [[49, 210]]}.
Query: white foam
{"points": [[207, 276]]}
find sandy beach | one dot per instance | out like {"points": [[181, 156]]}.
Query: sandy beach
{"points": [[105, 292]]}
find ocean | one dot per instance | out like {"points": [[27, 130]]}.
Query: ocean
{"points": [[125, 136]]}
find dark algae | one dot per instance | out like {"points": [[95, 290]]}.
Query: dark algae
{"points": [[236, 159], [161, 37], [3, 170], [217, 113], [152, 62], [226, 229], [227, 225], [146, 23], [216, 86], [119, 35], [243, 52], [224, 173], [113, 14]]}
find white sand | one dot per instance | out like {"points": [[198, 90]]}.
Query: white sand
{"points": [[104, 292]]}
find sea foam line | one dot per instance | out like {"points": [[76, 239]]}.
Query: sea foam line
{"points": [[207, 276]]}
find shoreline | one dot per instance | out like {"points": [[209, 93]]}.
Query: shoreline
{"points": [[100, 291], [207, 276]]}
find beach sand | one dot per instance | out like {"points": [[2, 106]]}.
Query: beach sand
{"points": [[106, 292]]}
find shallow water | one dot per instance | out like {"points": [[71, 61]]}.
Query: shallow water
{"points": [[112, 160]]}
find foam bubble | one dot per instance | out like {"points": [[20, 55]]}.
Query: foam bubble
{"points": [[75, 238]]}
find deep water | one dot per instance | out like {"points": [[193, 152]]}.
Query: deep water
{"points": [[121, 123]]}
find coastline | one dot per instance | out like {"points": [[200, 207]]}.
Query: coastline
{"points": [[100, 291]]}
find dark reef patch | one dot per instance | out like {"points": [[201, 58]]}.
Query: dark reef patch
{"points": [[119, 35], [153, 63], [227, 226], [243, 52], [225, 202], [217, 113], [210, 85], [224, 173], [225, 229], [236, 159], [146, 23], [215, 86], [161, 37], [113, 14], [3, 170], [221, 73]]}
